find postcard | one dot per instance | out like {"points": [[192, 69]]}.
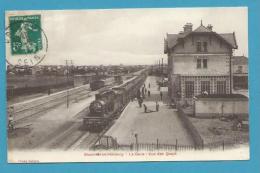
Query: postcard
{"points": [[116, 85]]}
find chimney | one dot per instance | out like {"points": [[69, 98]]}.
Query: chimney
{"points": [[187, 27], [210, 27]]}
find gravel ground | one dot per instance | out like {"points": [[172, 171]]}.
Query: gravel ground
{"points": [[163, 125], [37, 131]]}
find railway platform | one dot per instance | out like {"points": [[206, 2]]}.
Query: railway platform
{"points": [[164, 125]]}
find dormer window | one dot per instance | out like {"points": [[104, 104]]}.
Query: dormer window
{"points": [[202, 47]]}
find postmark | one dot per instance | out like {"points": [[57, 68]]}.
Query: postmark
{"points": [[26, 42]]}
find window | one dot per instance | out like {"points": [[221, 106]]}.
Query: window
{"points": [[205, 86], [198, 46], [189, 89], [205, 47], [202, 47], [205, 63], [221, 87], [240, 69], [202, 63], [198, 63]]}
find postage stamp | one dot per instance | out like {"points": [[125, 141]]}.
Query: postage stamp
{"points": [[26, 41]]}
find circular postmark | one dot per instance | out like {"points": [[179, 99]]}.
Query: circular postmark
{"points": [[26, 42]]}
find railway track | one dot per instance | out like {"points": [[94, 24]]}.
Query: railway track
{"points": [[72, 138], [87, 140], [34, 110], [68, 135], [29, 110]]}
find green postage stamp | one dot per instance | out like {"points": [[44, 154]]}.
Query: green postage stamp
{"points": [[25, 34], [27, 41]]}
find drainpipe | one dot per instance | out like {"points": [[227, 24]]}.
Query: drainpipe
{"points": [[230, 72]]}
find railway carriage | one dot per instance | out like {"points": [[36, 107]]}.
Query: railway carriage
{"points": [[109, 103], [97, 84]]}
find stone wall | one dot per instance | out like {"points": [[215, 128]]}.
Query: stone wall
{"points": [[197, 139], [212, 107]]}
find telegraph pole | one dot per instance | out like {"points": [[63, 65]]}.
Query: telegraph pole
{"points": [[159, 67], [162, 70], [162, 66], [67, 73]]}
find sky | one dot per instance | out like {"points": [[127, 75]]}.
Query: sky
{"points": [[129, 36]]}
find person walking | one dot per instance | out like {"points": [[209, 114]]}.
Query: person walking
{"points": [[145, 108], [149, 93], [138, 94], [149, 85], [140, 102], [161, 94], [157, 106], [142, 90]]}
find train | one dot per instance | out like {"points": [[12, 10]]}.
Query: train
{"points": [[97, 84], [110, 102], [117, 79]]}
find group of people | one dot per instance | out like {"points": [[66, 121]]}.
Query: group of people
{"points": [[141, 96], [146, 91], [146, 110]]}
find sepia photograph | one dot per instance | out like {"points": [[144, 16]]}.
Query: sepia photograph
{"points": [[109, 85]]}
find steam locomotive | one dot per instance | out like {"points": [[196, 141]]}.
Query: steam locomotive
{"points": [[109, 103]]}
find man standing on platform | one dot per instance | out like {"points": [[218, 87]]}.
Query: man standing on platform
{"points": [[140, 101], [145, 108], [157, 107]]}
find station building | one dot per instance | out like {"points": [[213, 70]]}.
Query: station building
{"points": [[199, 61]]}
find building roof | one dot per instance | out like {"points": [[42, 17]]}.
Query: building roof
{"points": [[230, 38], [202, 28], [173, 39], [240, 60]]}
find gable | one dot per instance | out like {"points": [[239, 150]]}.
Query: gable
{"points": [[173, 40]]}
